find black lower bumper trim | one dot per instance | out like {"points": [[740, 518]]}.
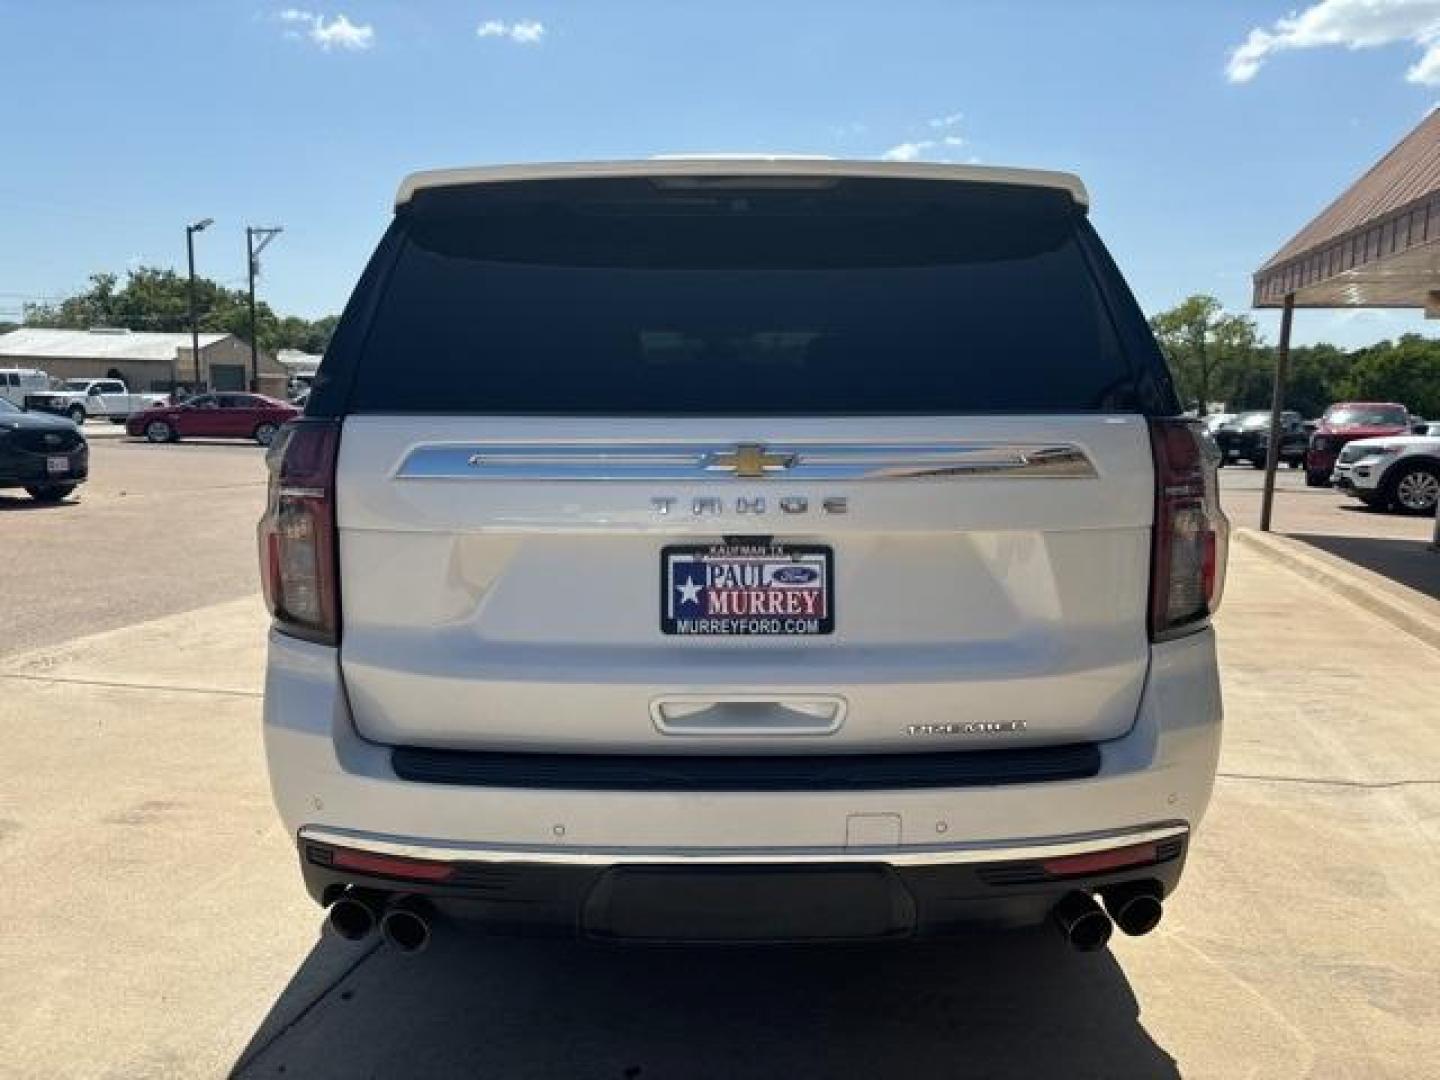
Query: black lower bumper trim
{"points": [[779, 772], [737, 903]]}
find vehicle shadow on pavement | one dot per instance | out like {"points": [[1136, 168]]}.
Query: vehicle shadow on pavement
{"points": [[24, 502], [1018, 1004], [1407, 562]]}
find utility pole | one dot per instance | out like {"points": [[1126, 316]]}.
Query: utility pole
{"points": [[252, 260], [190, 231]]}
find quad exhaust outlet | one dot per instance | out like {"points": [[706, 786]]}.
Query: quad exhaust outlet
{"points": [[405, 926], [1081, 922], [1136, 907], [354, 915]]}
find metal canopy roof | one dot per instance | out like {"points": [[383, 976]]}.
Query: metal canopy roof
{"points": [[1377, 245], [721, 166]]}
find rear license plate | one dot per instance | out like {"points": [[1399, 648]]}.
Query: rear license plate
{"points": [[55, 465], [747, 589]]}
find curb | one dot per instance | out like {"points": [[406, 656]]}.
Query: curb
{"points": [[1400, 606]]}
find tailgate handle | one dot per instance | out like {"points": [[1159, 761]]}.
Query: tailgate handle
{"points": [[743, 714]]}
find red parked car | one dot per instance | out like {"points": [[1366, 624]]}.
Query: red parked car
{"points": [[1345, 421], [224, 415]]}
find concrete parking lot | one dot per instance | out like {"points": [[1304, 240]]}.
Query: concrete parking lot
{"points": [[154, 922], [157, 529]]}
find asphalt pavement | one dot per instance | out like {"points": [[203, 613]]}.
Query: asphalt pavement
{"points": [[1311, 511]]}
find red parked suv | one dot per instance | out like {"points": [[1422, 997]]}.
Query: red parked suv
{"points": [[1345, 421], [236, 416]]}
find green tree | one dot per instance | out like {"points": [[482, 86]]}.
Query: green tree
{"points": [[153, 298], [1316, 375], [1407, 371], [1211, 352]]}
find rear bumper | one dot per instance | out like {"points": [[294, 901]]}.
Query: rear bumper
{"points": [[882, 895], [25, 469], [330, 783]]}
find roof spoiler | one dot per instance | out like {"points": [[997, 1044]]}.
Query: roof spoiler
{"points": [[793, 168]]}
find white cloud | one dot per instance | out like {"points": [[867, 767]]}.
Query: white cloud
{"points": [[908, 151], [522, 32], [1426, 70], [1351, 24], [336, 33], [926, 149]]}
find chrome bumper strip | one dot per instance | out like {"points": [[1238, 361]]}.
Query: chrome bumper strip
{"points": [[1006, 851], [749, 461]]}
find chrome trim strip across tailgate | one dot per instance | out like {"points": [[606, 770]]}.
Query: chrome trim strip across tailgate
{"points": [[748, 461], [1007, 851]]}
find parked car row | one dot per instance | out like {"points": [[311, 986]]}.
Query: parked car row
{"points": [[154, 416]]}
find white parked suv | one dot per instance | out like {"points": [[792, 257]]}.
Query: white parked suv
{"points": [[1399, 472], [753, 549]]}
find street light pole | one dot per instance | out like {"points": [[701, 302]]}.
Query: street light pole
{"points": [[252, 261], [190, 231]]}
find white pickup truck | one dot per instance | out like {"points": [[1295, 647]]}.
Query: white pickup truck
{"points": [[80, 399]]}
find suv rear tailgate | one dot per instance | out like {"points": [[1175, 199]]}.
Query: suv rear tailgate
{"points": [[974, 608]]}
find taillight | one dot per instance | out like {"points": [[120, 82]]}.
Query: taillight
{"points": [[299, 561], [1187, 562]]}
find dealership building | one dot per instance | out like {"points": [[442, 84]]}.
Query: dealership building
{"points": [[146, 361]]}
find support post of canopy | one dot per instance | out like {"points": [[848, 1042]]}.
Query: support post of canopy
{"points": [[1277, 406]]}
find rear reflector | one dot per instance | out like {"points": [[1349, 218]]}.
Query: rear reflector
{"points": [[1097, 862], [392, 866]]}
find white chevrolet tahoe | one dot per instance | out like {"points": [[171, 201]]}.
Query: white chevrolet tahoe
{"points": [[742, 550]]}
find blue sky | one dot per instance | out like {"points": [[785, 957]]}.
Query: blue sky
{"points": [[124, 120]]}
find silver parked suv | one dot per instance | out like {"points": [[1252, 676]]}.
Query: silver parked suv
{"points": [[732, 550]]}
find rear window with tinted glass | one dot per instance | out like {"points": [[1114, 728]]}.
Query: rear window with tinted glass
{"points": [[633, 297]]}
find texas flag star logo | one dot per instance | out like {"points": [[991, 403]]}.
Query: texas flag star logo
{"points": [[689, 590]]}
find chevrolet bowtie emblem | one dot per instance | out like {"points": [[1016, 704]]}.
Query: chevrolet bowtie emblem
{"points": [[749, 460]]}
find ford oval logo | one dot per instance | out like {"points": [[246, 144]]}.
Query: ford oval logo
{"points": [[796, 575]]}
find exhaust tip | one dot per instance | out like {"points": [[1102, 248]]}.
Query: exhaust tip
{"points": [[1136, 909], [1082, 923], [352, 916], [406, 926]]}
